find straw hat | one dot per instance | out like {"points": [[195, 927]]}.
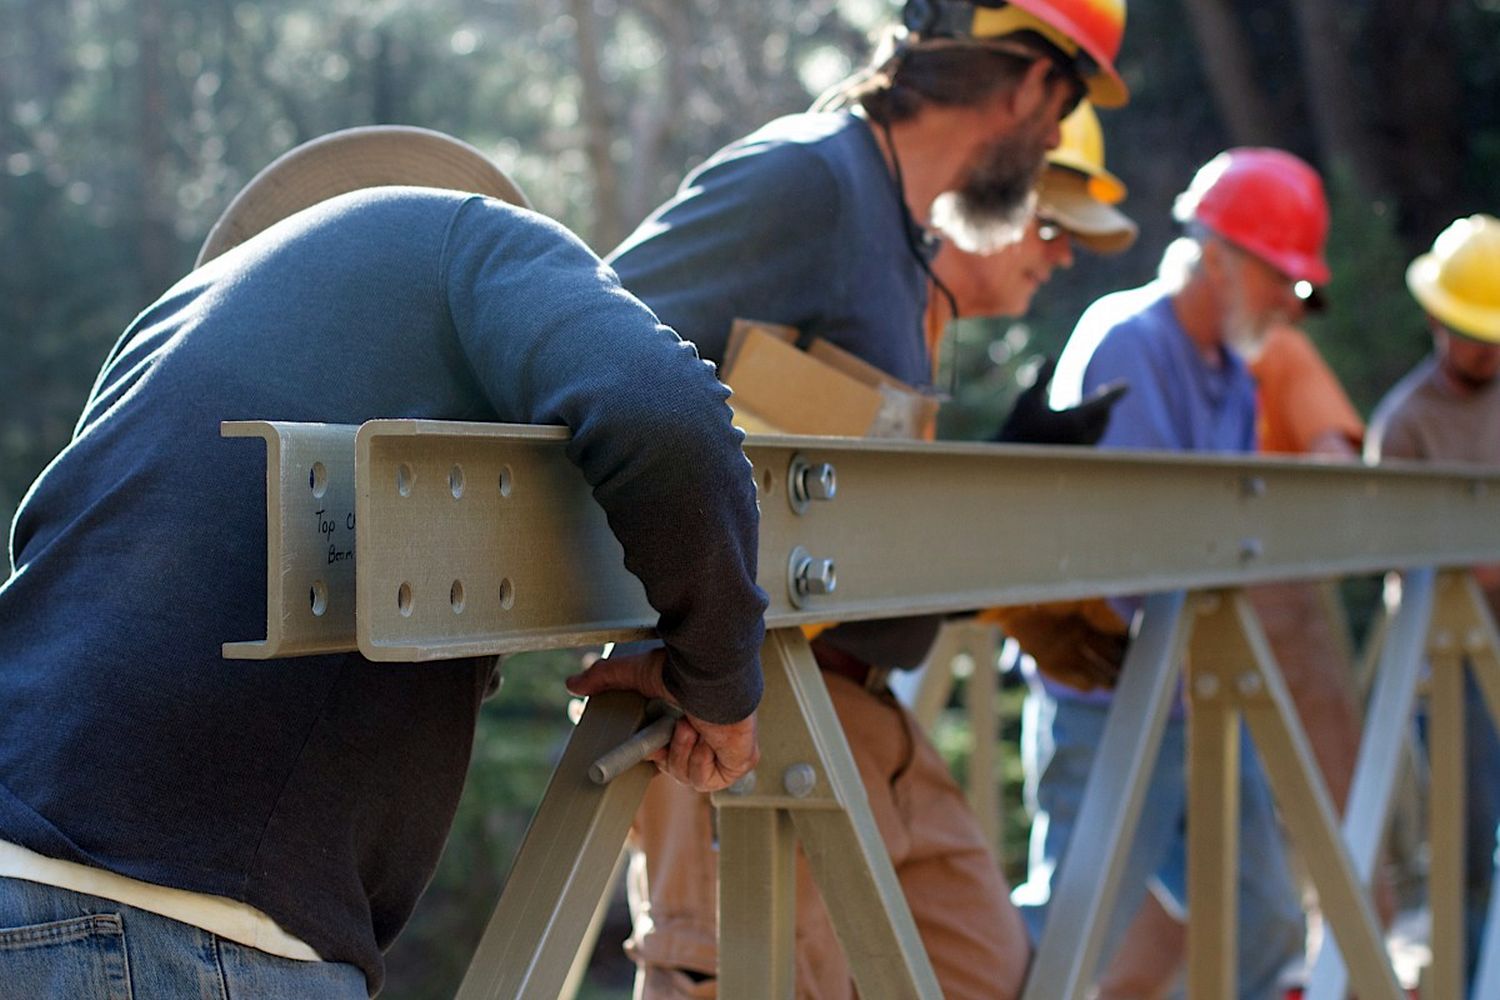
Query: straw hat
{"points": [[351, 160]]}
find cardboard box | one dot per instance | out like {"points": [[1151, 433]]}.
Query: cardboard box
{"points": [[823, 390]]}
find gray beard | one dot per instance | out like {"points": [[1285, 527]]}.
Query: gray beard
{"points": [[985, 231]]}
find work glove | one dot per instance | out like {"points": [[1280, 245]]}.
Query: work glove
{"points": [[1032, 421], [1077, 643]]}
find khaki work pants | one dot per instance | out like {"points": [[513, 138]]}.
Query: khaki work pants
{"points": [[958, 897]]}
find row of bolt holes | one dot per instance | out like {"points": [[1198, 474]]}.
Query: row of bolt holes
{"points": [[318, 597], [317, 481], [405, 479]]}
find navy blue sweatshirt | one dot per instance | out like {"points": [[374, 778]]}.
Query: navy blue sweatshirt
{"points": [[320, 790]]}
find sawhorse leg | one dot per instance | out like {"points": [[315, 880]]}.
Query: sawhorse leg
{"points": [[1090, 876], [1232, 672], [1382, 745], [1463, 630], [564, 864], [807, 789]]}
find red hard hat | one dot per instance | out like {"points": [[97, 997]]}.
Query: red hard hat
{"points": [[1265, 201], [1088, 31]]}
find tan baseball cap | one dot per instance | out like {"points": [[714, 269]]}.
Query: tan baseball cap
{"points": [[1066, 197], [351, 160]]}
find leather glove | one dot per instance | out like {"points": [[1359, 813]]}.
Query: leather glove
{"points": [[1032, 421], [1078, 643]]}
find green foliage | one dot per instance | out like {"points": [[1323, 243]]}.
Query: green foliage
{"points": [[1373, 331], [126, 126]]}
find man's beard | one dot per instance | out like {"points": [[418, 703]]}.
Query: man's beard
{"points": [[1244, 333], [997, 199]]}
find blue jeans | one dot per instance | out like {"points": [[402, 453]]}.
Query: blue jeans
{"points": [[1059, 739], [62, 945]]}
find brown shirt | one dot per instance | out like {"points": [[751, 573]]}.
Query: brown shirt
{"points": [[1424, 418]]}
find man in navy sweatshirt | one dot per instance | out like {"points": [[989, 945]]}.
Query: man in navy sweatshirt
{"points": [[176, 824]]}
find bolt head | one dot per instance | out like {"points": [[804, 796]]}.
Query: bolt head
{"points": [[799, 780], [821, 482]]}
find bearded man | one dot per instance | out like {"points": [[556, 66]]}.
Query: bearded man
{"points": [[821, 222], [1256, 221]]}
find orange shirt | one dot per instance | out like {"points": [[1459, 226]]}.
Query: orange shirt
{"points": [[1298, 397]]}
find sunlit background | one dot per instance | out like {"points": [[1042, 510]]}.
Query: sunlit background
{"points": [[127, 125]]}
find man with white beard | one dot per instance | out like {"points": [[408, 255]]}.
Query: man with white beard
{"points": [[822, 222], [1255, 222]]}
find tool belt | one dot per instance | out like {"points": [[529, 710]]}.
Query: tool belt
{"points": [[836, 661]]}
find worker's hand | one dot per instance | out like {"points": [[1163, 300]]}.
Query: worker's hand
{"points": [[1078, 643], [707, 756], [1032, 421]]}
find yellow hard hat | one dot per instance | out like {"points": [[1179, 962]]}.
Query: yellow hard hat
{"points": [[1458, 283], [1082, 149], [1077, 192]]}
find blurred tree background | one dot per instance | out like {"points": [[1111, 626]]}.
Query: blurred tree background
{"points": [[127, 125]]}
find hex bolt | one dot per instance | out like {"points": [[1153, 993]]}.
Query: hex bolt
{"points": [[799, 780], [1474, 641], [1442, 639], [820, 482], [1206, 686], [1250, 549], [1252, 486], [816, 577], [808, 481], [1248, 684]]}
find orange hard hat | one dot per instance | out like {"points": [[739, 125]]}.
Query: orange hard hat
{"points": [[1267, 202], [1087, 31]]}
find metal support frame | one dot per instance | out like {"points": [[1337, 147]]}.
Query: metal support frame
{"points": [[807, 789], [934, 684], [1116, 790], [480, 539]]}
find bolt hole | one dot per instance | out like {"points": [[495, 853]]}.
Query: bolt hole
{"points": [[318, 598], [456, 481], [456, 596], [505, 480], [767, 481], [507, 594], [404, 479], [403, 600], [317, 479]]}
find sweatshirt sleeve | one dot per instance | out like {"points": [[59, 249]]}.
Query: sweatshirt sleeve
{"points": [[554, 339]]}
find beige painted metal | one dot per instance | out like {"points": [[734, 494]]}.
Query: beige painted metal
{"points": [[799, 729], [1304, 803], [1384, 745], [309, 538], [538, 566], [1089, 880], [1445, 837], [578, 971], [757, 904], [1213, 726], [978, 643], [564, 863]]}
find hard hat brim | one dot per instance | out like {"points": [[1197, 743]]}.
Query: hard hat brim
{"points": [[352, 160], [1422, 278], [1064, 197]]}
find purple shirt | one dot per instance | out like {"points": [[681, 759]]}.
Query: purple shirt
{"points": [[1177, 400]]}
